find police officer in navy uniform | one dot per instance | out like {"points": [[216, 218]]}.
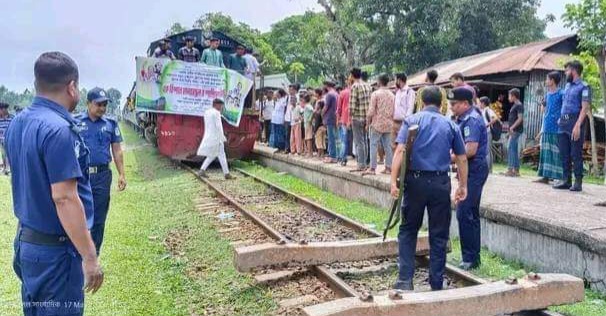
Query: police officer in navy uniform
{"points": [[571, 126], [427, 185], [55, 257], [100, 134], [473, 130]]}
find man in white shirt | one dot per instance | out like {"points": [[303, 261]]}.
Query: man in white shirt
{"points": [[212, 145], [404, 106], [292, 103], [252, 64], [267, 108]]}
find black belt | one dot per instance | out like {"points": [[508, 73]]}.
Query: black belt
{"points": [[98, 168], [424, 173], [35, 237]]}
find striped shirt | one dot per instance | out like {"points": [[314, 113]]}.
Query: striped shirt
{"points": [[4, 121], [359, 100]]}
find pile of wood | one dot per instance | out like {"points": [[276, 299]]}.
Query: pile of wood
{"points": [[532, 154], [587, 152]]}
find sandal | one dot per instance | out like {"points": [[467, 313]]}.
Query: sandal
{"points": [[386, 171]]}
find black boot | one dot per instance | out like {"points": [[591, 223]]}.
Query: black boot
{"points": [[578, 186], [562, 185]]}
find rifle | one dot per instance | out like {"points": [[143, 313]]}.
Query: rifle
{"points": [[396, 205]]}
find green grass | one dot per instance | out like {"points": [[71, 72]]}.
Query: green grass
{"points": [[527, 171], [493, 267], [142, 278]]}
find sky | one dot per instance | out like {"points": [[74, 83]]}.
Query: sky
{"points": [[103, 37]]}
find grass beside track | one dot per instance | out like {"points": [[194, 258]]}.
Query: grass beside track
{"points": [[142, 277], [493, 267]]}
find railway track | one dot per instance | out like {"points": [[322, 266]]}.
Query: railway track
{"points": [[250, 211]]}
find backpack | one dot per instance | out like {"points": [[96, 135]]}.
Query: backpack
{"points": [[496, 129]]}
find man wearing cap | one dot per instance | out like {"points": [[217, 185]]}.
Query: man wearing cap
{"points": [[212, 56], [189, 53], [212, 145], [101, 134], [428, 187], [5, 119], [55, 257], [472, 127], [163, 50]]}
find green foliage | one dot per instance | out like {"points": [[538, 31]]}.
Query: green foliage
{"points": [[588, 19], [413, 35], [306, 39], [217, 21], [14, 99], [176, 28]]}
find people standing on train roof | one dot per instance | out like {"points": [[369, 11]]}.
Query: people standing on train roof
{"points": [[163, 50], [252, 64], [102, 136], [5, 119], [212, 56], [237, 62], [189, 53], [550, 162], [427, 185], [475, 135], [213, 142], [571, 131], [54, 254]]}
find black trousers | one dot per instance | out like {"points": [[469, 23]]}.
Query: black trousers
{"points": [[267, 129]]}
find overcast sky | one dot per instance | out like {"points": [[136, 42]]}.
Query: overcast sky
{"points": [[105, 36]]}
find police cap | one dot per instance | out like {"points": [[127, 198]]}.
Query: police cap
{"points": [[97, 95], [460, 94]]}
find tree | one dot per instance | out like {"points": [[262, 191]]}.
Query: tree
{"points": [[305, 38], [414, 34], [114, 100], [296, 69], [588, 19], [176, 28]]}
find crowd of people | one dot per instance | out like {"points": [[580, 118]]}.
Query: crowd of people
{"points": [[357, 120]]}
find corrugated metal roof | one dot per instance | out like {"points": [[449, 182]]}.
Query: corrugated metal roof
{"points": [[516, 58], [273, 81]]}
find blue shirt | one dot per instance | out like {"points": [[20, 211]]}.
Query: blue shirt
{"points": [[98, 137], [553, 111], [436, 136], [44, 148], [472, 127], [575, 93]]}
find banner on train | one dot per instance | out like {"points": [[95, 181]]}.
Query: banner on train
{"points": [[177, 87]]}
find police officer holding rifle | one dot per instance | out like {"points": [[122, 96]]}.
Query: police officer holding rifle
{"points": [[427, 184]]}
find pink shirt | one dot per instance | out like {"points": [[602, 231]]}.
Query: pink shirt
{"points": [[343, 107], [405, 103]]}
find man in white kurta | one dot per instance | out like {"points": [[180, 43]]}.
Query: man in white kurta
{"points": [[212, 146]]}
